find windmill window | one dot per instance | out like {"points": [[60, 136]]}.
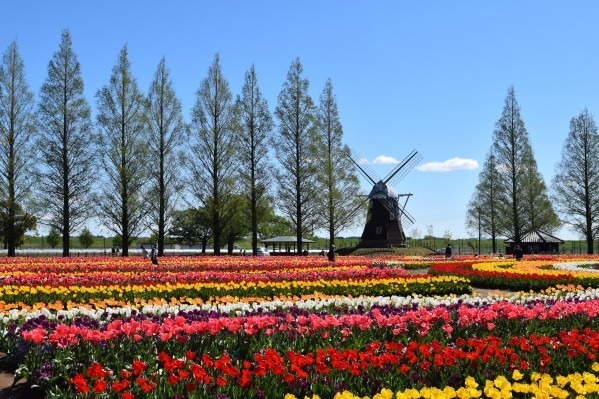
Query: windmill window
{"points": [[379, 230], [391, 216]]}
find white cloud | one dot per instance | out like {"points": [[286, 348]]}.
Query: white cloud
{"points": [[385, 160], [362, 161], [449, 166]]}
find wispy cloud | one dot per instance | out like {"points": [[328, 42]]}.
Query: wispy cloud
{"points": [[385, 160], [449, 166]]}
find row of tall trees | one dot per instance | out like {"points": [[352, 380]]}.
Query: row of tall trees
{"points": [[511, 197], [140, 167]]}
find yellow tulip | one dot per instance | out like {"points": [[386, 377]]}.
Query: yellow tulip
{"points": [[471, 382], [517, 375]]}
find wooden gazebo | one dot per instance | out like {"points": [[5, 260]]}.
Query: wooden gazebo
{"points": [[535, 242], [286, 243]]}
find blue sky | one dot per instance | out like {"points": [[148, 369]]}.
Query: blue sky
{"points": [[424, 75]]}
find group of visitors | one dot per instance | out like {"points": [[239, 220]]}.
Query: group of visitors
{"points": [[518, 253], [153, 253]]}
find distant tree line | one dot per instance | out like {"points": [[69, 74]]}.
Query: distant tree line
{"points": [[511, 198], [234, 170]]}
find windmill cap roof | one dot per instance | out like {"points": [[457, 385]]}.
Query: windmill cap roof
{"points": [[382, 188]]}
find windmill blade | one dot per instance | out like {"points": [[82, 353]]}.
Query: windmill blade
{"points": [[406, 221], [363, 167], [403, 208], [403, 168], [398, 212], [391, 205], [406, 217], [355, 211]]}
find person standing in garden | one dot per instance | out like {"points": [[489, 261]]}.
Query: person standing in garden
{"points": [[448, 251], [518, 253], [144, 252], [154, 254], [331, 253]]}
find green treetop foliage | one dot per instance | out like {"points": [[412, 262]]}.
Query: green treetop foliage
{"points": [[53, 238], [86, 238], [484, 207]]}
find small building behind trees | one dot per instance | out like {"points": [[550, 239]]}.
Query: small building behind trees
{"points": [[535, 242]]}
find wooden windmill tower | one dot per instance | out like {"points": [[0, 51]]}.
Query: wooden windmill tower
{"points": [[387, 217]]}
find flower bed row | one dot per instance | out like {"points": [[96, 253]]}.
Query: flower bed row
{"points": [[206, 291], [579, 385], [90, 279], [388, 364], [110, 309], [370, 336], [69, 266], [517, 276], [380, 322]]}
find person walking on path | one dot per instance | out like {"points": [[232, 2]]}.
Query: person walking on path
{"points": [[154, 254]]}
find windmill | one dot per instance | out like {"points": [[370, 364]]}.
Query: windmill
{"points": [[387, 217]]}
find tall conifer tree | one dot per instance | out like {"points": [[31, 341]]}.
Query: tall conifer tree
{"points": [[65, 144], [337, 176], [17, 129], [255, 124], [576, 182], [539, 210], [523, 190], [167, 132], [295, 149], [484, 207], [124, 145], [213, 161]]}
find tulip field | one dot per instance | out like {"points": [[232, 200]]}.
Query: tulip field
{"points": [[302, 327]]}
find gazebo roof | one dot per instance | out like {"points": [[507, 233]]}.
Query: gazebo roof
{"points": [[536, 236], [286, 240]]}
